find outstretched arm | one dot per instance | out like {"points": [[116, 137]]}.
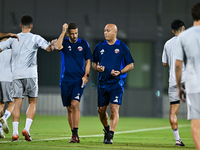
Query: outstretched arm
{"points": [[2, 35], [124, 70], [58, 45], [51, 47], [6, 45]]}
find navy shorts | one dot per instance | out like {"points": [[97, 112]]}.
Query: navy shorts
{"points": [[71, 91], [110, 93]]}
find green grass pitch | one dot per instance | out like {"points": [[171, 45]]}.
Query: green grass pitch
{"points": [[53, 133]]}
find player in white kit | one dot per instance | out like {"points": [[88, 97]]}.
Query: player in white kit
{"points": [[168, 59], [24, 70], [188, 51], [6, 89]]}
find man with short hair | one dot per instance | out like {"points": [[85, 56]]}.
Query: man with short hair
{"points": [[188, 50], [168, 59], [24, 70], [75, 68], [6, 89], [112, 60]]}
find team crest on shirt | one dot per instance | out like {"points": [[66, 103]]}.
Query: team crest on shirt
{"points": [[80, 48], [102, 51], [116, 51]]}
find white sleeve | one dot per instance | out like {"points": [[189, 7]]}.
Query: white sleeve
{"points": [[164, 56], [40, 42], [179, 53], [6, 44]]}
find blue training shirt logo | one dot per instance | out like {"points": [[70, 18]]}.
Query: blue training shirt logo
{"points": [[102, 51], [69, 47]]}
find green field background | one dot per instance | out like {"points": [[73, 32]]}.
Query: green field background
{"points": [[53, 133]]}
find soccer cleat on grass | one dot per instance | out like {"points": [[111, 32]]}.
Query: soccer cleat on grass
{"points": [[109, 138], [4, 125], [105, 136], [74, 139], [15, 138], [26, 135], [1, 134], [179, 143]]}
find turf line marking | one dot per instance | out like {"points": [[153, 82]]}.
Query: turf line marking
{"points": [[99, 135], [149, 129]]}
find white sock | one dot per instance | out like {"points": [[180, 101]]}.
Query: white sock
{"points": [[28, 124], [176, 134], [15, 128], [6, 114], [0, 126]]}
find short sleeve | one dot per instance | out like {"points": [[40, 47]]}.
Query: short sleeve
{"points": [[164, 55], [64, 42], [127, 55], [95, 55], [40, 42], [88, 51], [179, 54], [6, 44]]}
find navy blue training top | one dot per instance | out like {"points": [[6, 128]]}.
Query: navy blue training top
{"points": [[115, 56], [73, 57]]}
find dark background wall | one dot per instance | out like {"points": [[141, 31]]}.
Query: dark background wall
{"points": [[144, 25], [136, 19]]}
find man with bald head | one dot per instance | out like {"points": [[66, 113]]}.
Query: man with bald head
{"points": [[112, 60]]}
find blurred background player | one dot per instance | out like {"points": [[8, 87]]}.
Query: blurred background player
{"points": [[24, 70], [188, 50], [112, 60], [6, 88], [168, 59], [75, 68]]}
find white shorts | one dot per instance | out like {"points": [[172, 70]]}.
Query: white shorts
{"points": [[193, 106], [173, 94], [25, 87], [6, 91]]}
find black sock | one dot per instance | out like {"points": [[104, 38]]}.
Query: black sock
{"points": [[112, 133], [75, 131], [72, 132], [107, 128]]}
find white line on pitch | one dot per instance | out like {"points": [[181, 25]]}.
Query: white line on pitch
{"points": [[98, 135]]}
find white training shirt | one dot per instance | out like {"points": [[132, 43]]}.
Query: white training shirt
{"points": [[188, 44], [5, 65], [168, 56], [24, 54]]}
